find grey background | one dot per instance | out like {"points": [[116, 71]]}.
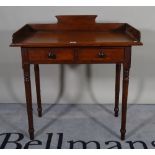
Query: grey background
{"points": [[77, 86]]}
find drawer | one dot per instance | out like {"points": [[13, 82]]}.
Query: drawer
{"points": [[99, 55], [50, 55]]}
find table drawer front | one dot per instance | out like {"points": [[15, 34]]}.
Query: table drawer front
{"points": [[49, 55], [105, 55]]}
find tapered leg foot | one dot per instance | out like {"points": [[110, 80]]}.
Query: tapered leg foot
{"points": [[40, 112], [116, 110], [123, 134], [32, 135]]}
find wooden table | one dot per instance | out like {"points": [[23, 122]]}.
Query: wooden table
{"points": [[76, 40]]}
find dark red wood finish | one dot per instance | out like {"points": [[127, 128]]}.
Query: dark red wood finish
{"points": [[27, 81], [117, 88], [126, 69], [37, 80], [76, 40]]}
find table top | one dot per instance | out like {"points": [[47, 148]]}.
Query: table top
{"points": [[76, 31]]}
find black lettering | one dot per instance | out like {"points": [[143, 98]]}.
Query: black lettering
{"points": [[31, 143], [60, 140], [84, 144], [153, 143], [50, 135], [117, 144], [7, 137], [131, 144]]}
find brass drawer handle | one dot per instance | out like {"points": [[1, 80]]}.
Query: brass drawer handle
{"points": [[101, 54], [51, 55]]}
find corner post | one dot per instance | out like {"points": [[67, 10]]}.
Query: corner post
{"points": [[126, 69], [37, 81], [27, 82], [117, 89]]}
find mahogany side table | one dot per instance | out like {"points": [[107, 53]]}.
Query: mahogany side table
{"points": [[76, 40]]}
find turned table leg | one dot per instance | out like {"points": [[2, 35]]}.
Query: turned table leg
{"points": [[27, 81], [117, 89], [126, 69], [37, 81]]}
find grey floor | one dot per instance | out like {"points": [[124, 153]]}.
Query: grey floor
{"points": [[77, 126]]}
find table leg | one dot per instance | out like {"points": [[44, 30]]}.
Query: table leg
{"points": [[37, 81], [27, 81], [124, 101], [117, 89], [126, 69]]}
